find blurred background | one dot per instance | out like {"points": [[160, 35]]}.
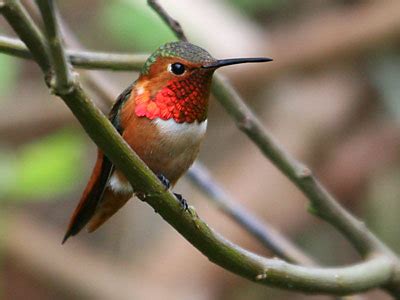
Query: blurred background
{"points": [[331, 97]]}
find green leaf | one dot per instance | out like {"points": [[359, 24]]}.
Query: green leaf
{"points": [[134, 25], [255, 6], [49, 167]]}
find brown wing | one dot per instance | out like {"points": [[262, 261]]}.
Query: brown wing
{"points": [[97, 184], [110, 203], [91, 196]]}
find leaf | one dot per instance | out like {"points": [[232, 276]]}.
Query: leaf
{"points": [[49, 167], [255, 6], [134, 25]]}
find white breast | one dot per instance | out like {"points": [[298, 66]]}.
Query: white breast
{"points": [[181, 132]]}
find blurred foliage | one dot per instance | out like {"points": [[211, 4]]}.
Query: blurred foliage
{"points": [[8, 73], [4, 221], [134, 25], [7, 172], [259, 6], [383, 206], [44, 169], [385, 72]]}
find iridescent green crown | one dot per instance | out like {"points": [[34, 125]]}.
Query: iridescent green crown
{"points": [[183, 50]]}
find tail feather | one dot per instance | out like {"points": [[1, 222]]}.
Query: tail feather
{"points": [[91, 196], [110, 203]]}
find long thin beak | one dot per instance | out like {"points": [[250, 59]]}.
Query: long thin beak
{"points": [[233, 61]]}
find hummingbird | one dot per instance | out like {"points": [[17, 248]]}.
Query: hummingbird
{"points": [[163, 118]]}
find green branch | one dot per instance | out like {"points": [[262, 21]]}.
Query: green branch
{"points": [[62, 79], [90, 60], [172, 23], [23, 25], [265, 233], [323, 204]]}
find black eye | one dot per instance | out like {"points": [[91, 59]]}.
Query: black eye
{"points": [[177, 68]]}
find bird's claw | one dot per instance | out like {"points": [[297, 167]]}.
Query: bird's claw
{"points": [[164, 180], [182, 201]]}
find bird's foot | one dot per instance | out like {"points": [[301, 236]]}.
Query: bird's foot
{"points": [[164, 180], [182, 201]]}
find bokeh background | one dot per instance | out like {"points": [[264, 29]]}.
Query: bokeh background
{"points": [[331, 97]]}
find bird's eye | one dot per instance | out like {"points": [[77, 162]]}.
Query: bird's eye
{"points": [[177, 68]]}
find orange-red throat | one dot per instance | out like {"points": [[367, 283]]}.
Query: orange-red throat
{"points": [[181, 96], [175, 82]]}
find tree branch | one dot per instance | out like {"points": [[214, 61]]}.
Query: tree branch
{"points": [[323, 204], [81, 59], [27, 30], [63, 77], [171, 22], [266, 234], [15, 47]]}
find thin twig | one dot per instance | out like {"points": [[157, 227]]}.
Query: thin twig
{"points": [[89, 60], [63, 77], [15, 47], [323, 203], [172, 23], [108, 91], [100, 60], [265, 233], [27, 30]]}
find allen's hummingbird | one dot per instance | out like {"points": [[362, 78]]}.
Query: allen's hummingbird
{"points": [[163, 117]]}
